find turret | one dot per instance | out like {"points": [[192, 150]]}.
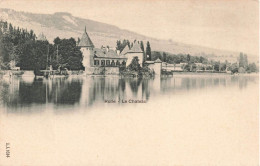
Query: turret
{"points": [[86, 47]]}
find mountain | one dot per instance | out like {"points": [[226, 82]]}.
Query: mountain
{"points": [[65, 25]]}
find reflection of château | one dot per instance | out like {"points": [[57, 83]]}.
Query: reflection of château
{"points": [[92, 91]]}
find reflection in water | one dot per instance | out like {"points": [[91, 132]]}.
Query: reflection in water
{"points": [[89, 91]]}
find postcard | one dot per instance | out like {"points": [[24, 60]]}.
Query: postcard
{"points": [[129, 82]]}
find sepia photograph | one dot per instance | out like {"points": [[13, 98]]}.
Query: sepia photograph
{"points": [[129, 82]]}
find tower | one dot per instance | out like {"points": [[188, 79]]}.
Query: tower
{"points": [[158, 67], [135, 51], [86, 47]]}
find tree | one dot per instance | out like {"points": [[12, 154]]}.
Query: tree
{"points": [[142, 48], [4, 59], [216, 66], [148, 51], [40, 53], [27, 58], [78, 40], [15, 54], [120, 45], [164, 57], [209, 68], [188, 58], [32, 35], [222, 66], [57, 41], [156, 55], [193, 67], [11, 28], [187, 67], [252, 67], [234, 68], [69, 57], [201, 59], [243, 62], [134, 65], [14, 46], [241, 70]]}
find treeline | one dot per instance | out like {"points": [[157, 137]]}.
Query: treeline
{"points": [[120, 45], [12, 44], [178, 58], [243, 65], [20, 48]]}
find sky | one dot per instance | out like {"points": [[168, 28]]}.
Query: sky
{"points": [[223, 24]]}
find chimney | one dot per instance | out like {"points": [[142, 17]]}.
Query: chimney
{"points": [[118, 52], [107, 48]]}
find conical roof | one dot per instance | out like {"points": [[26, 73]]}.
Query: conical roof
{"points": [[85, 40]]}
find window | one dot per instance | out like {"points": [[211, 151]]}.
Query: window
{"points": [[107, 62], [102, 62], [96, 62], [113, 63], [117, 63], [123, 63]]}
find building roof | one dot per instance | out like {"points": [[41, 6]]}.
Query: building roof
{"points": [[107, 53], [157, 61], [41, 37], [85, 40], [125, 50], [135, 49]]}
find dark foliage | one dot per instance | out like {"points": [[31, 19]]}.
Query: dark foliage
{"points": [[23, 49]]}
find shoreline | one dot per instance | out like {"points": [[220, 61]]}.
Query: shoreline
{"points": [[29, 73]]}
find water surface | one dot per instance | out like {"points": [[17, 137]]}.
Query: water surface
{"points": [[183, 120]]}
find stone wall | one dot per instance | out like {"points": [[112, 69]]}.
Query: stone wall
{"points": [[102, 71], [112, 71]]}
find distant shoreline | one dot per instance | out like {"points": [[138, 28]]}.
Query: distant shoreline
{"points": [[212, 74]]}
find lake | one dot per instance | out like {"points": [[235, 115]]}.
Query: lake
{"points": [[207, 119]]}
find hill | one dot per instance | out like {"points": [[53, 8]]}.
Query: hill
{"points": [[65, 25]]}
